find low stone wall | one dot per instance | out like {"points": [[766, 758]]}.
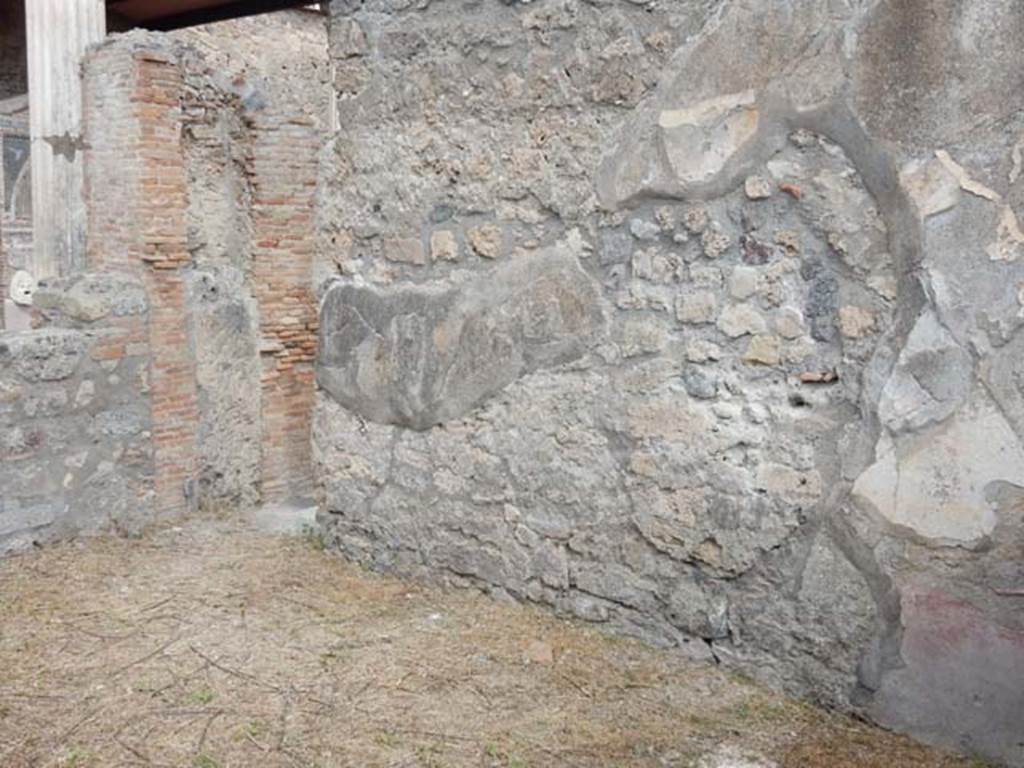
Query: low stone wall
{"points": [[76, 451], [700, 320]]}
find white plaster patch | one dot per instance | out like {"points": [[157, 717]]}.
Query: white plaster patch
{"points": [[701, 139], [931, 186], [1009, 238], [935, 482], [576, 244], [707, 111], [1017, 156], [781, 170], [963, 178]]}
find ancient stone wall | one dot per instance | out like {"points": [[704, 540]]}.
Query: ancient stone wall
{"points": [[76, 450], [136, 200], [178, 371], [226, 226], [700, 320], [255, 103]]}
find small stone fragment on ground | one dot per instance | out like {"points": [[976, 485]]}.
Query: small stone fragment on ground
{"points": [[539, 652]]}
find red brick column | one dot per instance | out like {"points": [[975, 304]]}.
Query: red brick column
{"points": [[164, 248], [284, 186], [136, 200]]}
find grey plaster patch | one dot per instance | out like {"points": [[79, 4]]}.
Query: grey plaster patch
{"points": [[951, 653], [421, 356], [223, 321]]}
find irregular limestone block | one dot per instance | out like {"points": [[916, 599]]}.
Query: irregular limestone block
{"points": [[89, 297], [419, 356], [763, 349], [743, 282], [444, 246], [757, 188], [485, 240], [405, 250], [789, 323], [855, 322], [49, 354], [740, 320], [696, 307], [930, 185]]}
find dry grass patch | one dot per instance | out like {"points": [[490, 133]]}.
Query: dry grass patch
{"points": [[211, 645]]}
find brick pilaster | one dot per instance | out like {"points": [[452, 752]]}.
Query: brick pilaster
{"points": [[284, 185], [136, 198]]}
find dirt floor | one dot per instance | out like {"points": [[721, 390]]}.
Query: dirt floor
{"points": [[212, 645]]}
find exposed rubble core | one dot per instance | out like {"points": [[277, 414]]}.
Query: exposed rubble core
{"points": [[786, 434], [700, 320], [240, 84]]}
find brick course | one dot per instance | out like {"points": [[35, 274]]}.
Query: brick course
{"points": [[136, 198], [137, 194], [283, 179]]}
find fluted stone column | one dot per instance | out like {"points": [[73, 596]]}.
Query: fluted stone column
{"points": [[58, 32]]}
